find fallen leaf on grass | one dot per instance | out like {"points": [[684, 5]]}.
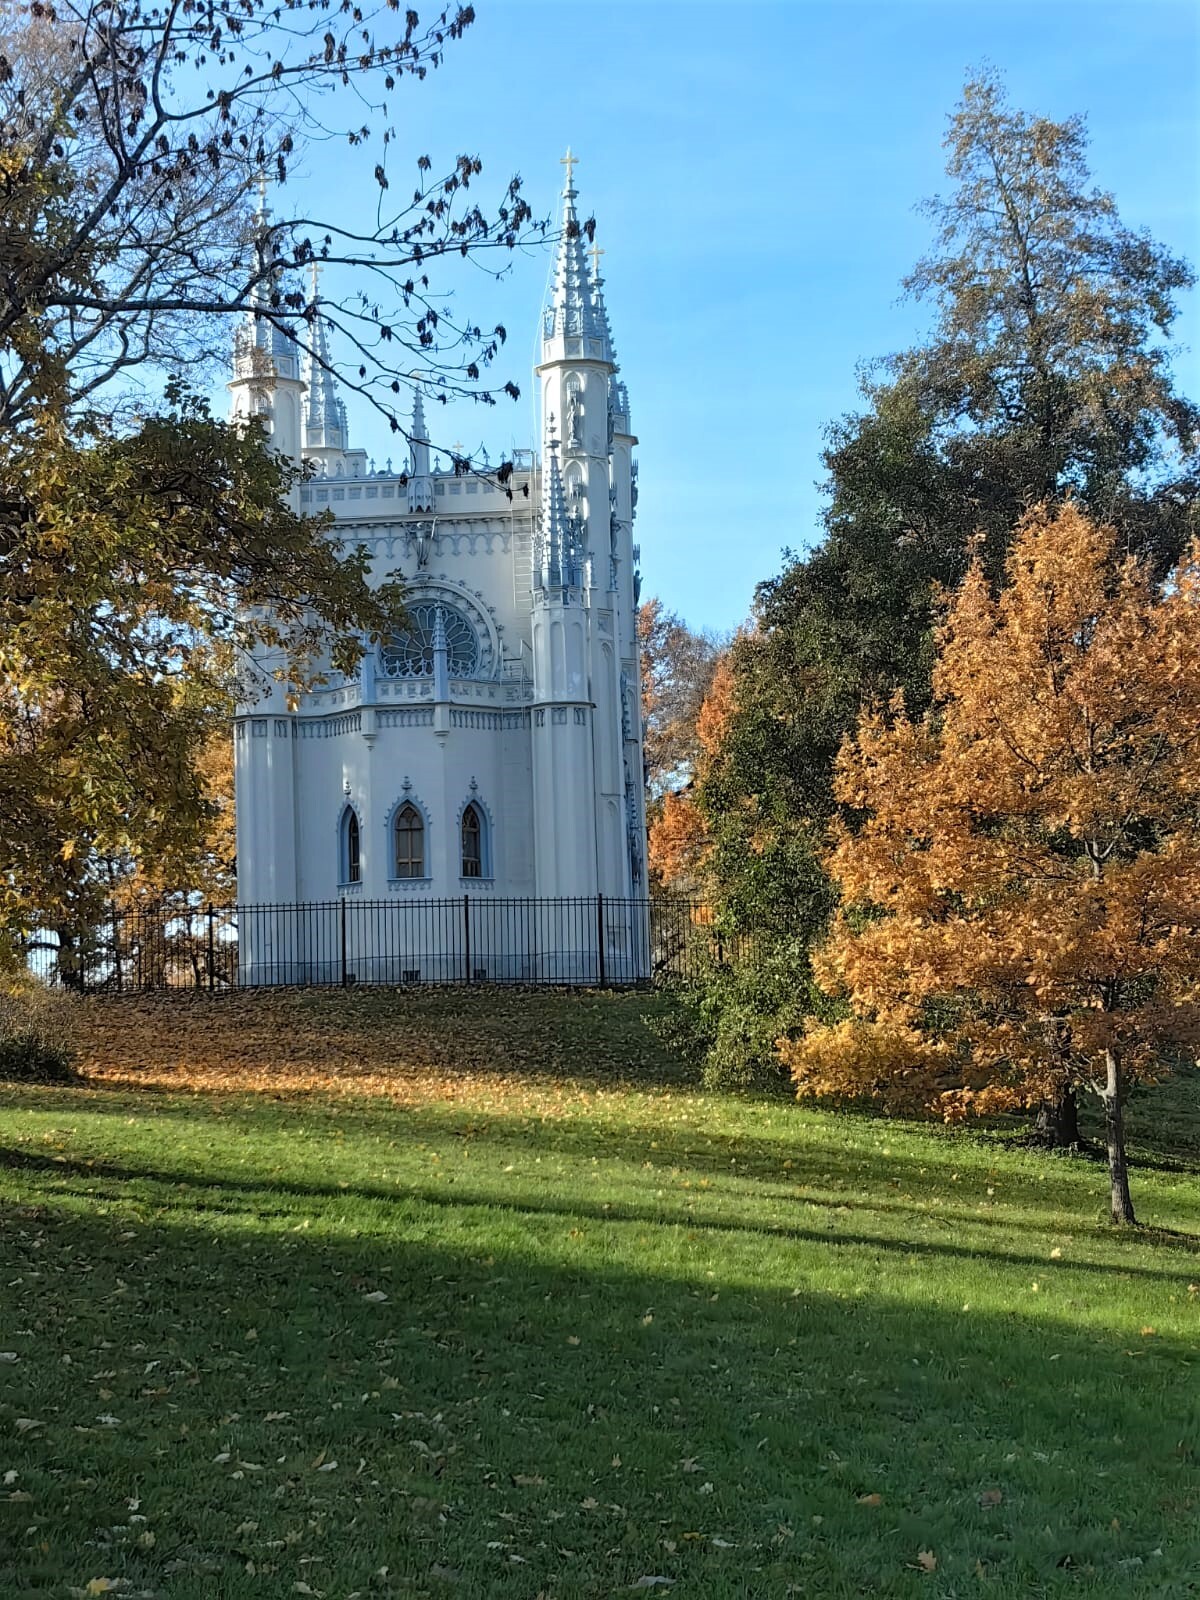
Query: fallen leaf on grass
{"points": [[528, 1480], [926, 1561], [24, 1424], [376, 1297], [991, 1497], [870, 1499]]}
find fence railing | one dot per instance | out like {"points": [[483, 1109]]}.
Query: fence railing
{"points": [[594, 940]]}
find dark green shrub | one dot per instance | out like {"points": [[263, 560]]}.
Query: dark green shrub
{"points": [[37, 1031]]}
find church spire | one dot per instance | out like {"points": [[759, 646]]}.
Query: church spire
{"points": [[572, 310], [420, 483], [324, 412], [260, 344], [556, 568], [600, 310]]}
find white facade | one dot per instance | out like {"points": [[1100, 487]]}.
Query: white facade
{"points": [[493, 752]]}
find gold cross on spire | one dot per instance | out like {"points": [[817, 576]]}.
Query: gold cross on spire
{"points": [[595, 252], [570, 162]]}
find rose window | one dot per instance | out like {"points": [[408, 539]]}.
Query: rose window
{"points": [[410, 653]]}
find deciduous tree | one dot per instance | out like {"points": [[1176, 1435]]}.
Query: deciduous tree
{"points": [[678, 663], [1020, 883]]}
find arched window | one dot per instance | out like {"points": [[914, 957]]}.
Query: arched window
{"points": [[408, 838], [472, 843], [350, 862]]}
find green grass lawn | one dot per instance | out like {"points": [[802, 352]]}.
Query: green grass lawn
{"points": [[546, 1321]]}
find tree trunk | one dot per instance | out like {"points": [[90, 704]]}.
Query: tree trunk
{"points": [[1057, 1125], [1114, 1127]]}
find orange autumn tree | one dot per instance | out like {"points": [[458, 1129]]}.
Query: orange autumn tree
{"points": [[678, 833], [1020, 906]]}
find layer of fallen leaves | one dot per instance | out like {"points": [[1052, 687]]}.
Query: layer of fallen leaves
{"points": [[476, 1047]]}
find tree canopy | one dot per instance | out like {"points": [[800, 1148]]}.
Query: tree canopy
{"points": [[1046, 375]]}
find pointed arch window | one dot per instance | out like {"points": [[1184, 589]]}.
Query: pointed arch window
{"points": [[408, 842], [350, 848], [472, 843]]}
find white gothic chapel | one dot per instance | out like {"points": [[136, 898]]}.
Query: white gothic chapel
{"points": [[462, 804]]}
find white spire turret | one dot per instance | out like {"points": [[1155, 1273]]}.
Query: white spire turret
{"points": [[558, 566], [325, 426], [420, 483], [260, 345], [600, 310], [572, 311], [618, 404]]}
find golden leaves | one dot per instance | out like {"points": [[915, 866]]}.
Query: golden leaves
{"points": [[1019, 898]]}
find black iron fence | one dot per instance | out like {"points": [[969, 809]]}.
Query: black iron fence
{"points": [[594, 940]]}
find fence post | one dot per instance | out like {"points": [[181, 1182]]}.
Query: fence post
{"points": [[116, 927], [212, 953], [467, 936], [345, 972], [600, 935]]}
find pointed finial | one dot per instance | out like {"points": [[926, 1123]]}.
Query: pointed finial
{"points": [[262, 194], [314, 269], [570, 162]]}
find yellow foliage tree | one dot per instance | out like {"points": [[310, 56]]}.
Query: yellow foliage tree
{"points": [[1021, 900], [678, 836]]}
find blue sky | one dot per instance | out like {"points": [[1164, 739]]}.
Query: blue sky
{"points": [[753, 169]]}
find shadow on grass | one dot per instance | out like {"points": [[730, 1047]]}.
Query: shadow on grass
{"points": [[597, 1422], [185, 1190]]}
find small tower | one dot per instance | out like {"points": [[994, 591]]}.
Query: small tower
{"points": [[577, 373], [623, 582], [267, 382], [266, 385], [326, 434], [420, 480], [574, 372], [563, 784]]}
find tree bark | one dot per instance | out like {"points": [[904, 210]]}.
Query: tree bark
{"points": [[1057, 1124], [1114, 1127]]}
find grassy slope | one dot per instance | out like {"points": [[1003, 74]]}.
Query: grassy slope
{"points": [[628, 1331]]}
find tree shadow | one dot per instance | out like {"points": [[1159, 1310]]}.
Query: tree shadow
{"points": [[598, 1422], [184, 1191]]}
